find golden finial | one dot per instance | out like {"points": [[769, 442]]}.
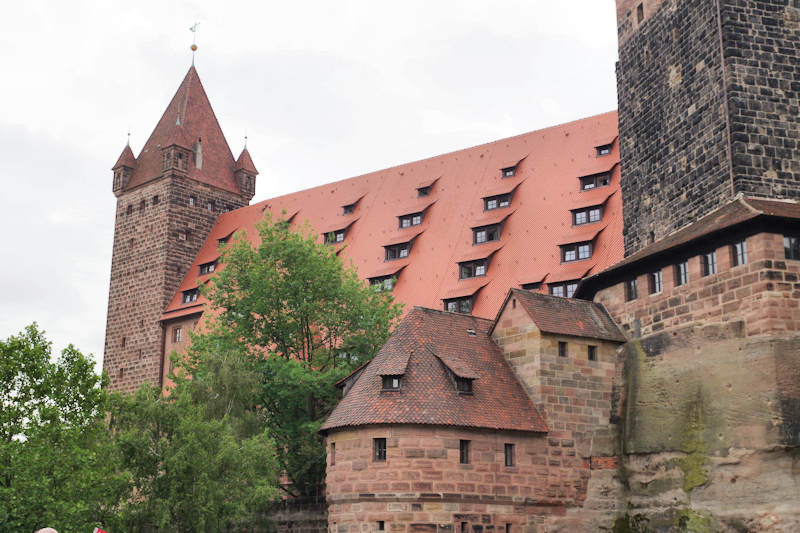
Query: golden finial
{"points": [[193, 29]]}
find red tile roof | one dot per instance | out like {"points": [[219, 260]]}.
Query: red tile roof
{"points": [[125, 159], [427, 394], [188, 118], [546, 186], [568, 316], [245, 162]]}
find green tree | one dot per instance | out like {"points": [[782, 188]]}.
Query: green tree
{"points": [[57, 466], [190, 469], [299, 321]]}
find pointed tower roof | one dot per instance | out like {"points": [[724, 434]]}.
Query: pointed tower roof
{"points": [[187, 120], [125, 159], [245, 162]]}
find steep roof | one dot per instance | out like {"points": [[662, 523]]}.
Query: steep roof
{"points": [[125, 159], [187, 119], [245, 162], [568, 316], [545, 187], [737, 213], [424, 348]]}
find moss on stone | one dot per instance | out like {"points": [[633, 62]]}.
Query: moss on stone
{"points": [[695, 462], [690, 521]]}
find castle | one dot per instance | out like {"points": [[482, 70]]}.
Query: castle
{"points": [[664, 396]]}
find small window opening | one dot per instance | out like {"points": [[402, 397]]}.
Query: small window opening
{"points": [[208, 268], [509, 454], [631, 290], [121, 373], [348, 209], [390, 382], [155, 200], [463, 452], [335, 236], [576, 251], [682, 273], [486, 234], [604, 150], [532, 286], [384, 283], [471, 332], [709, 263], [129, 210], [397, 251], [463, 385], [333, 453], [142, 205], [513, 303], [472, 269], [592, 352], [210, 207], [496, 202], [192, 201], [190, 296], [124, 341], [587, 215], [595, 181], [739, 253], [177, 334], [424, 191], [508, 172], [379, 449], [656, 285], [459, 305], [640, 13], [381, 525], [562, 349], [414, 219]]}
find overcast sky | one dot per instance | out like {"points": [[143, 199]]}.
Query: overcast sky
{"points": [[324, 90]]}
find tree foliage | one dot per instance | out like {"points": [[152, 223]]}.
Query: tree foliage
{"points": [[298, 321], [57, 465]]}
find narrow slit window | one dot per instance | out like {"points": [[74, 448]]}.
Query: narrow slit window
{"points": [[631, 290], [508, 448], [592, 352], [709, 263], [379, 449], [682, 273], [656, 285], [463, 452], [562, 349], [739, 253], [333, 453]]}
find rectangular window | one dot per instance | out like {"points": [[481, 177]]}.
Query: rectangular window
{"points": [[459, 305], [508, 172], [464, 385], [385, 283], [486, 234], [557, 290], [397, 251], [496, 202], [348, 209], [532, 286], [587, 215], [580, 217], [190, 296], [656, 285], [177, 334], [155, 200], [333, 453], [464, 527], [463, 449], [739, 253], [791, 247], [682, 273], [381, 525], [210, 206], [509, 454], [335, 236], [631, 290], [379, 449], [472, 269], [414, 219], [562, 349], [709, 263], [423, 191], [208, 268], [192, 201], [595, 181], [390, 382], [576, 251], [564, 289], [592, 352], [604, 150]]}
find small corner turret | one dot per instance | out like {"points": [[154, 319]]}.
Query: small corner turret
{"points": [[123, 169], [245, 173]]}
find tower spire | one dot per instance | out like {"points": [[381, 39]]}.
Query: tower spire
{"points": [[193, 29]]}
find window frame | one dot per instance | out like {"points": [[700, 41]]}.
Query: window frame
{"points": [[709, 261], [177, 334], [682, 273], [568, 288], [379, 449], [508, 454], [604, 150], [739, 253], [501, 201], [412, 219], [656, 282], [394, 383], [591, 352], [386, 283], [595, 181], [190, 296], [464, 385], [464, 305], [791, 247], [463, 452], [208, 268], [393, 252], [348, 209], [562, 349], [424, 191], [492, 230], [577, 251], [587, 213], [509, 172], [338, 236], [469, 269], [631, 289]]}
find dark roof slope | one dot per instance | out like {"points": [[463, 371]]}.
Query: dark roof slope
{"points": [[126, 158], [736, 213], [428, 394], [569, 316]]}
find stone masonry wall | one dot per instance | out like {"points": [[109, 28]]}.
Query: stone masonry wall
{"points": [[422, 486], [709, 406], [156, 238], [575, 397], [762, 44], [673, 137]]}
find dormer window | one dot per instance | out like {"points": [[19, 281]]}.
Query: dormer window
{"points": [[576, 251], [486, 234], [564, 290], [348, 209], [603, 150], [385, 283], [463, 385], [208, 268], [595, 181], [459, 305], [472, 269], [397, 251], [390, 383], [335, 236], [424, 191], [414, 219], [587, 215], [190, 296], [508, 172], [497, 202]]}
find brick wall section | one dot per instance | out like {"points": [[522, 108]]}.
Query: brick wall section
{"points": [[422, 486], [673, 139], [696, 130], [764, 294], [762, 43], [153, 249]]}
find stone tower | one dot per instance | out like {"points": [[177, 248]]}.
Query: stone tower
{"points": [[708, 108], [167, 201]]}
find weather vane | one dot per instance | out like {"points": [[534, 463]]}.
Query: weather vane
{"points": [[193, 29]]}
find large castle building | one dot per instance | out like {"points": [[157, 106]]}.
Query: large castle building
{"points": [[612, 346]]}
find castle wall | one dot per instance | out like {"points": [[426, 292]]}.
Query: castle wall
{"points": [[710, 401], [423, 487], [154, 246], [708, 100]]}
